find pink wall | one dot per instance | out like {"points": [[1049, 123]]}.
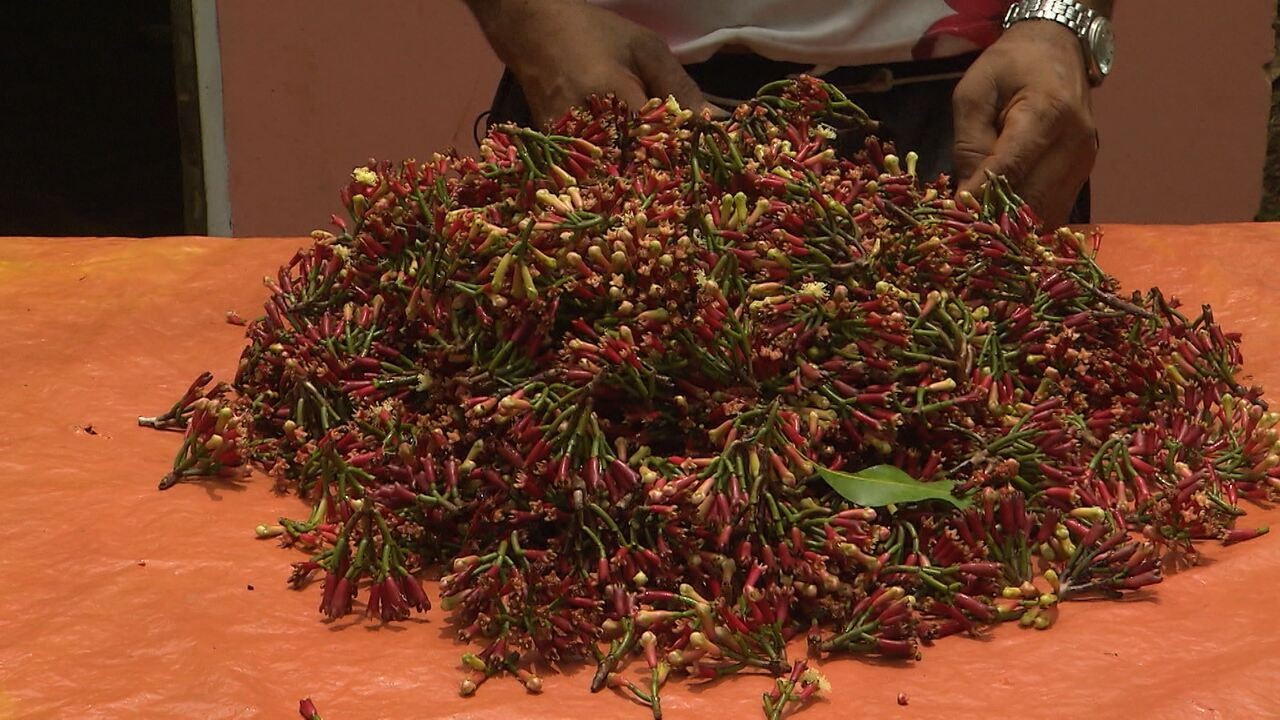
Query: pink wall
{"points": [[314, 87], [1183, 119]]}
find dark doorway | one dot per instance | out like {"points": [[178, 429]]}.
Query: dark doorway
{"points": [[1270, 211], [91, 127]]}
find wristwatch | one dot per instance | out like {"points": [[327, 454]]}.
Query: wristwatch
{"points": [[1093, 29]]}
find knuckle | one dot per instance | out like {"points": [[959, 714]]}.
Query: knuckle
{"points": [[1081, 121], [1089, 128], [1084, 135], [1089, 147], [1052, 107], [966, 97], [1065, 112], [968, 152], [599, 80], [648, 41]]}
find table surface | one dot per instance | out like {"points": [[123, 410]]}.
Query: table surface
{"points": [[121, 601]]}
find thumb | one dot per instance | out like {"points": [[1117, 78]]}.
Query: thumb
{"points": [[974, 110], [663, 75]]}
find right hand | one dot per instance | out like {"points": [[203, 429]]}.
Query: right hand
{"points": [[562, 51]]}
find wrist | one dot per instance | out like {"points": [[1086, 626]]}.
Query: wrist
{"points": [[497, 14], [1086, 21], [1050, 44], [494, 16], [1047, 34], [508, 25]]}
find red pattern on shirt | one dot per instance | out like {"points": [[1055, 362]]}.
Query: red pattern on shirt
{"points": [[977, 21]]}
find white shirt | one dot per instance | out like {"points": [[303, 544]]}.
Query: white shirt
{"points": [[820, 32]]}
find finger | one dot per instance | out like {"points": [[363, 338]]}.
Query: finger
{"points": [[547, 108], [663, 75], [630, 90], [1052, 186], [717, 112], [1028, 131], [974, 111]]}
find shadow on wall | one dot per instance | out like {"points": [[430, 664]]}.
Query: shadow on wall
{"points": [[1183, 133]]}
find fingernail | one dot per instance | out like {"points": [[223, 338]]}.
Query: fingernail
{"points": [[716, 112]]}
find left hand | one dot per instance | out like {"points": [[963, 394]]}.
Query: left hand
{"points": [[1023, 111]]}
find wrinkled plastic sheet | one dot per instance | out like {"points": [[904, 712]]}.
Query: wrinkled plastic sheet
{"points": [[120, 601]]}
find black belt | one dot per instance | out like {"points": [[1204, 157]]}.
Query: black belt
{"points": [[738, 76]]}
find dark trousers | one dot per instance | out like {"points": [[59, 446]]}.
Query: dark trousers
{"points": [[912, 101]]}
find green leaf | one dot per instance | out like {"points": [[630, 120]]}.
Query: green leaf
{"points": [[882, 485]]}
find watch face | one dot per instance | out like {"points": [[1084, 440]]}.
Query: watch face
{"points": [[1103, 44]]}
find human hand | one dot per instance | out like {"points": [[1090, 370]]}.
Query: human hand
{"points": [[1023, 111], [562, 51]]}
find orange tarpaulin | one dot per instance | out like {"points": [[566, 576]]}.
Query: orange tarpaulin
{"points": [[117, 600]]}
